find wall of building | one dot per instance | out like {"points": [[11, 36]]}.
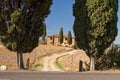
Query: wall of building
{"points": [[56, 41], [49, 41]]}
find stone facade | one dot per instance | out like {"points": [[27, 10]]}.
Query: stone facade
{"points": [[54, 40]]}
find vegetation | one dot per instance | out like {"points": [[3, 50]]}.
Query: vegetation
{"points": [[38, 64], [21, 24], [59, 64], [109, 60], [95, 26], [69, 38], [53, 39], [44, 33], [61, 35]]}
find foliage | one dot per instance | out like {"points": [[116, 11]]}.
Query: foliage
{"points": [[53, 39], [80, 24], [61, 35], [44, 33], [21, 23], [110, 60], [38, 65], [59, 64], [69, 38], [95, 25]]}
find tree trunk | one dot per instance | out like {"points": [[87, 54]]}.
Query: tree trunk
{"points": [[92, 63], [20, 62]]}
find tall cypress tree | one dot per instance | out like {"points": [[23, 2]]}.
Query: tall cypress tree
{"points": [[61, 35], [69, 38], [95, 26], [44, 33], [21, 24]]}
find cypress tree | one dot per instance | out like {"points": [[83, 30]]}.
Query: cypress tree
{"points": [[53, 40], [44, 33], [21, 24], [61, 35], [69, 38], [95, 26]]}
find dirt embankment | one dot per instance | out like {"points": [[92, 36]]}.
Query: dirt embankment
{"points": [[68, 60], [71, 62], [8, 58]]}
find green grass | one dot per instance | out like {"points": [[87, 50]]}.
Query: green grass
{"points": [[39, 64], [59, 64]]}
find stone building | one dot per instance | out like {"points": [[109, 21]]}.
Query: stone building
{"points": [[54, 40]]}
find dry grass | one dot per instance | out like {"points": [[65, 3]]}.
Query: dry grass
{"points": [[71, 62], [8, 58]]}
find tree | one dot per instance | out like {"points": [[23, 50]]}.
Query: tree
{"points": [[21, 24], [44, 33], [61, 35], [69, 38], [53, 39], [95, 26]]}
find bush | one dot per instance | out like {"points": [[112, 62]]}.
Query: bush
{"points": [[110, 60]]}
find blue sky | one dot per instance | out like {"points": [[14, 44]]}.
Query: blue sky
{"points": [[61, 16]]}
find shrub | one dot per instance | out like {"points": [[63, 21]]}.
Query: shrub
{"points": [[109, 60]]}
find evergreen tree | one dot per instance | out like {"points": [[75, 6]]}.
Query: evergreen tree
{"points": [[53, 40], [95, 26], [61, 35], [21, 24], [69, 38], [44, 33]]}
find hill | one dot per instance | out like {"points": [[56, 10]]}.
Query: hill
{"points": [[8, 58]]}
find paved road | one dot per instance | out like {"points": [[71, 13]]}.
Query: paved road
{"points": [[59, 76]]}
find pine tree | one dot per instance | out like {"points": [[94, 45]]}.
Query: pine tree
{"points": [[61, 35], [69, 38], [95, 26], [21, 24]]}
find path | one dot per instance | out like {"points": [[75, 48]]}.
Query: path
{"points": [[49, 61]]}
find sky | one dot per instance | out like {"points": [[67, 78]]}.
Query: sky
{"points": [[61, 15]]}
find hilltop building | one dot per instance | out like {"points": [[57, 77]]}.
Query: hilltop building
{"points": [[54, 40]]}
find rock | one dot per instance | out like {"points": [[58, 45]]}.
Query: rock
{"points": [[3, 68]]}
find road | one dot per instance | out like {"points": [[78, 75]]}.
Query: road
{"points": [[49, 61], [59, 76]]}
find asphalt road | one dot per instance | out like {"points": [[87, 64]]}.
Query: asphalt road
{"points": [[59, 76]]}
